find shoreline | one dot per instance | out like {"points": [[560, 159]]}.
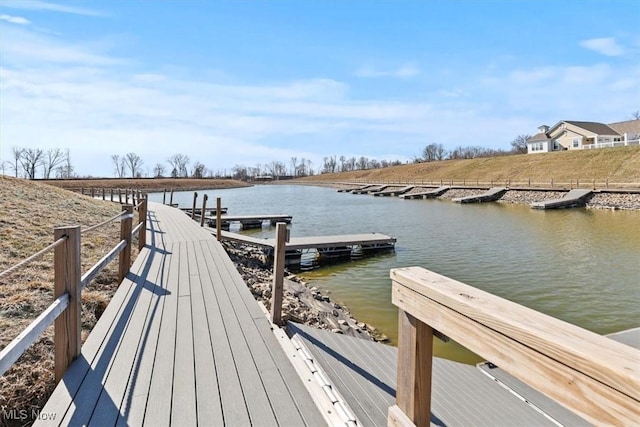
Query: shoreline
{"points": [[608, 200], [301, 302]]}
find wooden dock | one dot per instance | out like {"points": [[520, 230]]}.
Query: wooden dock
{"points": [[182, 342], [490, 195], [249, 221], [427, 194], [394, 191], [370, 189], [206, 210], [574, 198], [316, 242]]}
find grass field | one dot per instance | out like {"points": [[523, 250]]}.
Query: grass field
{"points": [[29, 211], [615, 165]]}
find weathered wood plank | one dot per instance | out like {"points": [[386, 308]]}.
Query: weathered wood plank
{"points": [[183, 402], [209, 407], [556, 358], [158, 410]]}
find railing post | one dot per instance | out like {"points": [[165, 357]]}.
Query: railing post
{"points": [[204, 207], [415, 359], [171, 198], [219, 219], [193, 209], [142, 219], [103, 198], [125, 234], [120, 195], [67, 274], [164, 196], [278, 273]]}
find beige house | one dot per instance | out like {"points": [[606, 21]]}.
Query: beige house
{"points": [[574, 135]]}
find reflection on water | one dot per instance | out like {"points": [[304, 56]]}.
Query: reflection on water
{"points": [[582, 266]]}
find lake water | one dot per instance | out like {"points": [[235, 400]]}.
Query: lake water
{"points": [[581, 266]]}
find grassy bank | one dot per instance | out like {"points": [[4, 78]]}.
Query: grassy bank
{"points": [[616, 165], [29, 212], [148, 184]]}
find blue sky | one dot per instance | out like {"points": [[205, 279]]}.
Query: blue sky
{"points": [[251, 82]]}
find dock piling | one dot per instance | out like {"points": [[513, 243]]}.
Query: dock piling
{"points": [[278, 273]]}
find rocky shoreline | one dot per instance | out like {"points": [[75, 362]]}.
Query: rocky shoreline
{"points": [[301, 303], [600, 200]]}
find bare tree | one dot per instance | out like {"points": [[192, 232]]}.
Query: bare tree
{"points": [[134, 164], [519, 144], [158, 170], [179, 165], [66, 169], [294, 167], [16, 152], [199, 170], [52, 159], [3, 165], [433, 152], [30, 159], [119, 165], [636, 114]]}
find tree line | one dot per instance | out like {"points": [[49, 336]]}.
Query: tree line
{"points": [[26, 162]]}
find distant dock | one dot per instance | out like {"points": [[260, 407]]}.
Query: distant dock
{"points": [[249, 221], [574, 198], [490, 195]]}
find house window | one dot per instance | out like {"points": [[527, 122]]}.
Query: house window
{"points": [[555, 145], [576, 142]]}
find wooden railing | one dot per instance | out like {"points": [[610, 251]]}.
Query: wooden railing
{"points": [[551, 184], [65, 310], [120, 195], [594, 376]]}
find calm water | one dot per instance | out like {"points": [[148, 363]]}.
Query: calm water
{"points": [[581, 266]]}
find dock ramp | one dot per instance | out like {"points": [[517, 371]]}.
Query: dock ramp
{"points": [[427, 194], [364, 372], [573, 199], [370, 189], [490, 195], [394, 191]]}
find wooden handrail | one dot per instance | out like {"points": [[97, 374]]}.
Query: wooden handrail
{"points": [[594, 376], [65, 310]]}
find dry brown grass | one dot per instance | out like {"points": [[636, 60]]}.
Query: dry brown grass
{"points": [[617, 165], [28, 213], [148, 184]]}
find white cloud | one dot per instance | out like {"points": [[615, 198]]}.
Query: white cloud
{"points": [[404, 71], [605, 46], [39, 5], [15, 19]]}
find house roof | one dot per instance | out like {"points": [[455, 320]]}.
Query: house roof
{"points": [[629, 126], [538, 137], [595, 127]]}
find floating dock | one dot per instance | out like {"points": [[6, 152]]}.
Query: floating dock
{"points": [[249, 221], [573, 199], [350, 190], [427, 194], [394, 191], [366, 240], [206, 210], [370, 189], [490, 195]]}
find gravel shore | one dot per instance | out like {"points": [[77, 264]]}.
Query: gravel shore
{"points": [[301, 303]]}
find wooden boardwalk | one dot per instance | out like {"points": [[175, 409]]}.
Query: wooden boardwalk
{"points": [[183, 342]]}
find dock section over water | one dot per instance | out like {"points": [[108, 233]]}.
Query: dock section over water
{"points": [[490, 195], [249, 221], [394, 191], [574, 198], [370, 189], [431, 194]]}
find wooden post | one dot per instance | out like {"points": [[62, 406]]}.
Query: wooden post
{"points": [[142, 219], [125, 234], [415, 359], [111, 191], [164, 196], [204, 207], [67, 276], [278, 273], [103, 198], [193, 209], [93, 192], [120, 195], [171, 198], [219, 219]]}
